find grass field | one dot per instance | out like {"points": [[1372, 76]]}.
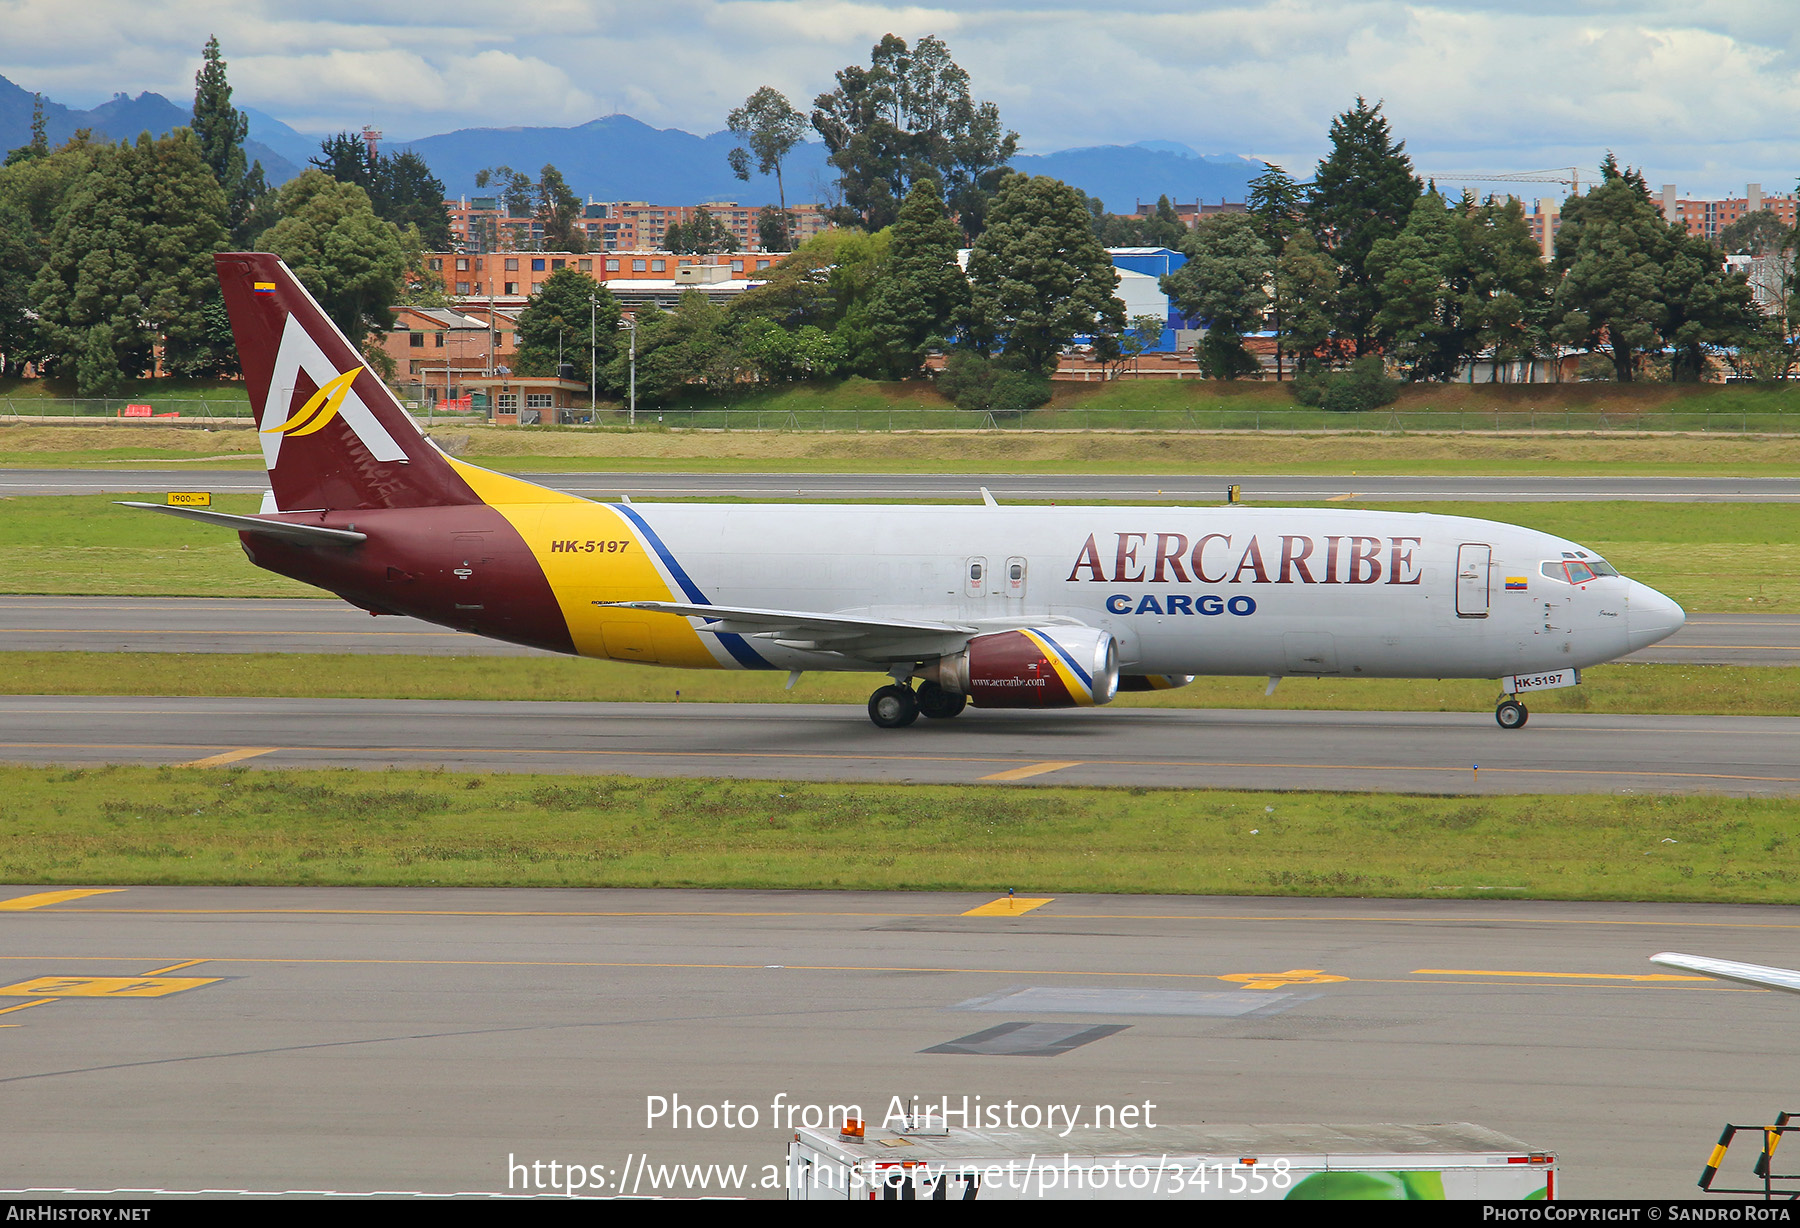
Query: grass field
{"points": [[1160, 427], [1708, 556], [1672, 689], [122, 826]]}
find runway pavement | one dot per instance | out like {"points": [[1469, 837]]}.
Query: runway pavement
{"points": [[430, 1040], [225, 624], [1388, 751], [1084, 488]]}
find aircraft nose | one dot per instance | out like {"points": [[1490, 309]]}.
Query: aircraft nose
{"points": [[1650, 617]]}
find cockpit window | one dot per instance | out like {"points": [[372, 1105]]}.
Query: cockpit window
{"points": [[1601, 566], [1574, 571]]}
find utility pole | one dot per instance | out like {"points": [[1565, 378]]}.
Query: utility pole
{"points": [[593, 355], [631, 405]]}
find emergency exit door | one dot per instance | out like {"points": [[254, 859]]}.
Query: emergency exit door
{"points": [[1474, 563]]}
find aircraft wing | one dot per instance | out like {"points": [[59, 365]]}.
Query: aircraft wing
{"points": [[1729, 970], [312, 533], [852, 635]]}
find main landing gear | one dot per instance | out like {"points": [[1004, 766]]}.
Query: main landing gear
{"points": [[898, 705], [1511, 714]]}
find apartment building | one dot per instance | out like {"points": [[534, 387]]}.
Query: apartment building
{"points": [[1710, 217], [506, 280], [479, 225]]}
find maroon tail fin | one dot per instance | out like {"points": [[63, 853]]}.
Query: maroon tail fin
{"points": [[332, 434]]}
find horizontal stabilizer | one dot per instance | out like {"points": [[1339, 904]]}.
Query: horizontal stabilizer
{"points": [[1730, 970], [311, 533]]}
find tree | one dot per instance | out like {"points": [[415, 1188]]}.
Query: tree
{"points": [[1756, 234], [1039, 277], [1362, 192], [830, 282], [221, 130], [778, 355], [774, 229], [1225, 283], [909, 116], [569, 318], [352, 261], [559, 209], [1141, 334], [129, 264], [400, 187], [1278, 204], [1609, 257], [692, 344], [408, 194], [1707, 307], [703, 235], [769, 127], [923, 291], [1306, 291], [34, 192], [39, 145]]}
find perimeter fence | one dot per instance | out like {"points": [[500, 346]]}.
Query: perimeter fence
{"points": [[940, 418]]}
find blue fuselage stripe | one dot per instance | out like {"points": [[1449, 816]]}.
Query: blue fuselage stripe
{"points": [[736, 645]]}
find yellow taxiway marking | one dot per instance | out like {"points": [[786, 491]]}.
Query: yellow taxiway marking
{"points": [[733, 915], [1709, 986], [1033, 769], [432, 753], [1281, 980], [1009, 906], [230, 756], [1583, 976], [1341, 498], [24, 903], [7, 1010], [174, 967], [104, 986]]}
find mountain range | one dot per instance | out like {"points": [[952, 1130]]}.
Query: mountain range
{"points": [[621, 158]]}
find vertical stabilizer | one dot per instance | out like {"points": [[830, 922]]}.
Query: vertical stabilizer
{"points": [[333, 436]]}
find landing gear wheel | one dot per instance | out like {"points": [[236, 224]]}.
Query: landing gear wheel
{"points": [[893, 707], [1512, 714], [939, 704]]}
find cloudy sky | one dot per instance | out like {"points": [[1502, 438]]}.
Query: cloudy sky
{"points": [[1702, 93]]}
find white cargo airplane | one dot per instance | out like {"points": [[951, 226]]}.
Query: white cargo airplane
{"points": [[1005, 607]]}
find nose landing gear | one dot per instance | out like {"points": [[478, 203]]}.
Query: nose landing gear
{"points": [[1511, 714]]}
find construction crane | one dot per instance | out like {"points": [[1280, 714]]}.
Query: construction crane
{"points": [[1568, 176]]}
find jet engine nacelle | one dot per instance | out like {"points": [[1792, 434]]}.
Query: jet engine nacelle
{"points": [[1054, 667], [1153, 682]]}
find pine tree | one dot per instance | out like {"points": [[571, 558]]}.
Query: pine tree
{"points": [[1362, 192], [221, 130], [39, 145], [923, 290], [1609, 257]]}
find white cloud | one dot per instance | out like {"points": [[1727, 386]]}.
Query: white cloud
{"points": [[1699, 93]]}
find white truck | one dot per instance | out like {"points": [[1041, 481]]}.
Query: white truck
{"points": [[1217, 1162]]}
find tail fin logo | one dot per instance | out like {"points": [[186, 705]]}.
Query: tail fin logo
{"points": [[320, 410], [336, 398]]}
